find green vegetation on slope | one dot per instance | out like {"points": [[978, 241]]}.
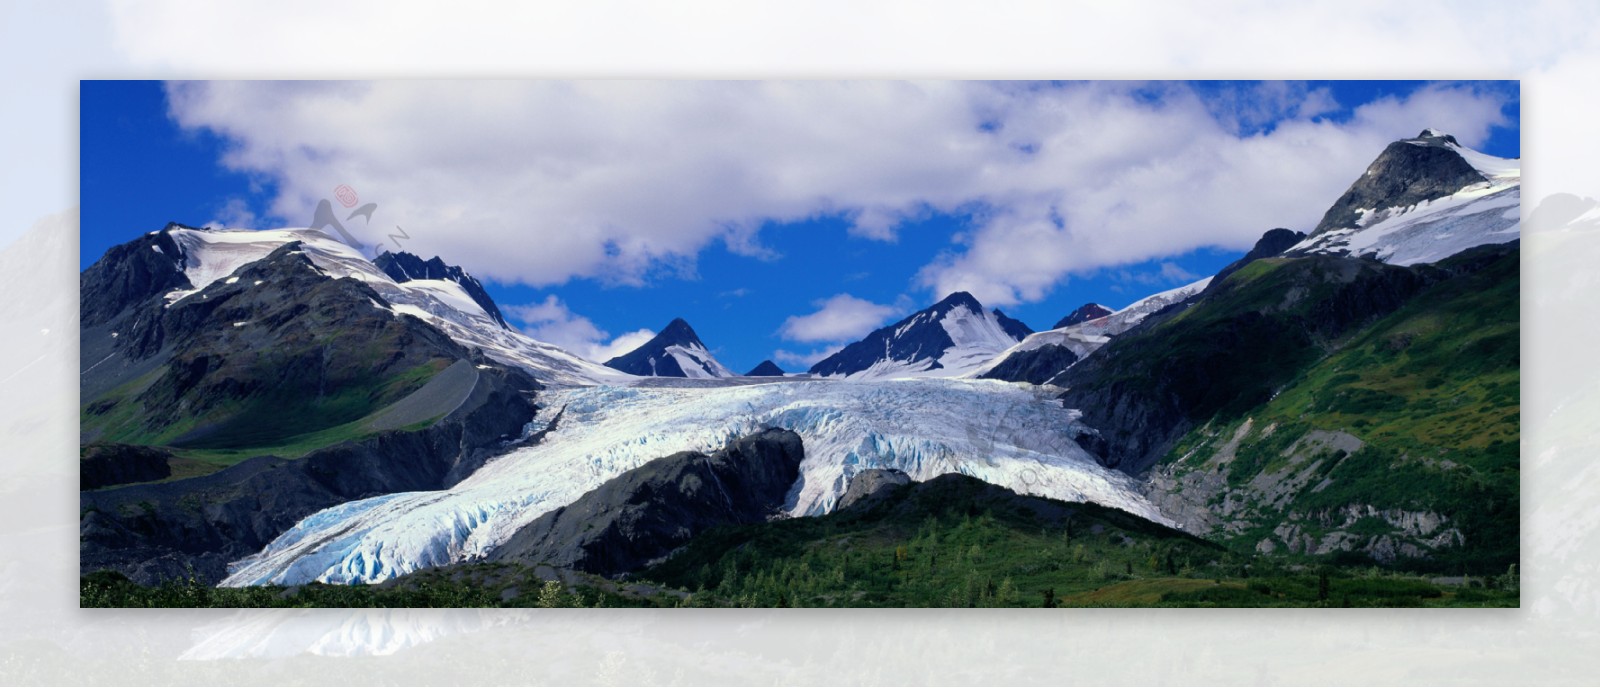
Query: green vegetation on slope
{"points": [[951, 542], [1431, 392], [260, 425]]}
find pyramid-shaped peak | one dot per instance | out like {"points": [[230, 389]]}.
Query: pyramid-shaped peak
{"points": [[766, 369], [1406, 173], [679, 332], [675, 351], [1084, 313], [960, 298]]}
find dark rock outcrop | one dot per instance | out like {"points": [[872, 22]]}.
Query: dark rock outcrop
{"points": [[871, 486], [1085, 313], [404, 267], [1273, 243], [1037, 366], [919, 337], [645, 513], [130, 274], [1012, 326], [103, 465], [765, 369], [652, 359], [1408, 172]]}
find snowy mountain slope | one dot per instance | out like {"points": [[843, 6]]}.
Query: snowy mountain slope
{"points": [[675, 351], [405, 267], [1084, 313], [209, 255], [1006, 434], [1083, 338], [1451, 198], [946, 339]]}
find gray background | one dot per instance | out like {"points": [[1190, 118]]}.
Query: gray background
{"points": [[47, 46]]}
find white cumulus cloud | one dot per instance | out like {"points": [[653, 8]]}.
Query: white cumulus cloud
{"points": [[553, 322], [801, 360], [837, 318], [540, 182]]}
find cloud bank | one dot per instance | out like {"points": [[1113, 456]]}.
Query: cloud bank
{"points": [[840, 318], [552, 322], [543, 182]]}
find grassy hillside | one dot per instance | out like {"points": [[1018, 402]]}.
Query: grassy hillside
{"points": [[1412, 419]]}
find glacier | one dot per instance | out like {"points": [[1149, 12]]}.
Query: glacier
{"points": [[1008, 434]]}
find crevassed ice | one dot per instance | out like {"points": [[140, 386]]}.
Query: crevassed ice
{"points": [[1006, 434]]}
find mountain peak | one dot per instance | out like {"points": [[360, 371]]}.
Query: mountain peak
{"points": [[960, 298], [1406, 173], [1430, 135], [1084, 313], [404, 266], [1273, 243], [765, 369], [675, 351], [950, 337], [679, 332]]}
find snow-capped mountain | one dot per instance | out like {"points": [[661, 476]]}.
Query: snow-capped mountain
{"points": [[207, 255], [1084, 313], [1017, 437], [406, 267], [1083, 338], [1422, 200], [946, 339], [675, 351]]}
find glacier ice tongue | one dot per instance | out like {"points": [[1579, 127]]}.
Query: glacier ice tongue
{"points": [[1003, 433]]}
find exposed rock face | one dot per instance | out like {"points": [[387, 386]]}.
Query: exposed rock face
{"points": [[130, 274], [675, 351], [1273, 243], [1408, 172], [921, 340], [645, 513], [1084, 313], [872, 486], [1012, 326], [404, 267], [765, 369], [103, 465], [1037, 366]]}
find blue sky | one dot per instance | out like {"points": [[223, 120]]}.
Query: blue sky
{"points": [[744, 207]]}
